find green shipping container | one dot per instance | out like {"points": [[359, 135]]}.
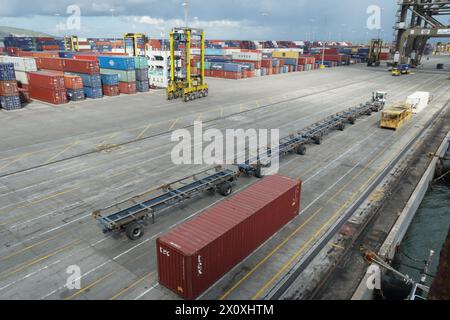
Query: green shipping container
{"points": [[124, 76], [141, 62]]}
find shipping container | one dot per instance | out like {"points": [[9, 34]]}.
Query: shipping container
{"points": [[93, 92], [127, 87], [48, 95], [142, 86], [81, 66], [7, 72], [44, 79], [285, 54], [110, 79], [196, 254], [124, 76], [140, 62], [111, 90], [10, 103], [76, 94], [9, 88], [73, 82], [89, 57], [142, 75], [89, 80], [20, 64], [116, 63]]}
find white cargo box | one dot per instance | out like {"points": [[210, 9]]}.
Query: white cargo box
{"points": [[21, 76], [20, 64], [419, 101], [247, 56]]}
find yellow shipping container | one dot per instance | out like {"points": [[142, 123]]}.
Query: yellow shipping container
{"points": [[285, 54]]}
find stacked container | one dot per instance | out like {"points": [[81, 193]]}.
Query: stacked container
{"points": [[74, 87], [142, 80], [110, 84], [124, 67], [9, 93], [47, 86]]}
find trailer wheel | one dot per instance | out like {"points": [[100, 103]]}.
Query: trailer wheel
{"points": [[170, 96], [341, 127], [206, 92], [301, 150], [134, 231], [225, 189], [258, 173], [351, 120], [186, 98], [318, 140]]}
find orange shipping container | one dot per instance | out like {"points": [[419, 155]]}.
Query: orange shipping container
{"points": [[73, 82]]}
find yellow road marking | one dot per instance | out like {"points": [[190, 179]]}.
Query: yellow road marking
{"points": [[30, 246], [54, 195], [331, 219], [28, 264], [200, 116], [131, 286], [90, 286], [334, 245], [144, 131], [242, 108], [14, 161], [61, 152], [221, 112], [269, 255], [173, 124]]}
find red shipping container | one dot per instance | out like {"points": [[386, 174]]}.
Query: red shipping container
{"points": [[13, 51], [111, 90], [9, 88], [217, 73], [127, 87], [38, 54], [207, 73], [48, 95], [196, 254], [81, 66], [42, 79], [232, 75], [50, 63], [73, 82], [266, 63], [50, 47], [89, 57]]}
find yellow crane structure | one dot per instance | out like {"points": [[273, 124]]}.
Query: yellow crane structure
{"points": [[183, 84], [71, 43], [135, 37]]}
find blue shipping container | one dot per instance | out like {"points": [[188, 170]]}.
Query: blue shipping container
{"points": [[232, 67], [213, 52], [290, 62], [116, 63], [142, 75], [110, 79], [76, 95], [142, 86], [217, 66], [7, 72], [93, 93], [89, 80], [10, 103]]}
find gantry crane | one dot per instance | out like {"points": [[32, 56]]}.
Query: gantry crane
{"points": [[374, 56], [71, 43], [417, 21], [183, 84], [135, 37]]}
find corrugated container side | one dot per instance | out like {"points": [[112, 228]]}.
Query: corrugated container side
{"points": [[196, 254]]}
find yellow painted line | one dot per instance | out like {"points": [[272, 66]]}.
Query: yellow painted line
{"points": [[334, 245], [221, 112], [13, 254], [237, 284], [14, 161], [28, 264], [131, 286], [144, 131], [331, 219], [54, 195], [90, 286], [61, 152], [200, 116], [257, 104], [173, 124], [242, 108]]}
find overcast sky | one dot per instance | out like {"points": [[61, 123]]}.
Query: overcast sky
{"points": [[221, 19]]}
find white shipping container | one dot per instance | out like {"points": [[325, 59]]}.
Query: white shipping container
{"points": [[21, 76], [84, 47], [247, 56], [20, 64], [257, 73], [419, 101]]}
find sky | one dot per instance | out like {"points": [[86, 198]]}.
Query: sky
{"points": [[344, 20]]}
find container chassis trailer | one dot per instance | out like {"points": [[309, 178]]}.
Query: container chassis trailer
{"points": [[133, 214]]}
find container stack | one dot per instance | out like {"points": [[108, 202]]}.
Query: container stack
{"points": [[142, 80], [124, 67], [110, 84], [74, 87], [9, 92], [47, 86]]}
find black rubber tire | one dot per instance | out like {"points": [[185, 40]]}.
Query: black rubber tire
{"points": [[134, 231], [170, 96], [341, 127], [206, 92], [318, 140], [186, 98], [225, 189], [258, 173], [301, 150], [352, 120]]}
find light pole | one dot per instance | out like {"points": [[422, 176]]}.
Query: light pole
{"points": [[112, 17], [186, 12]]}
